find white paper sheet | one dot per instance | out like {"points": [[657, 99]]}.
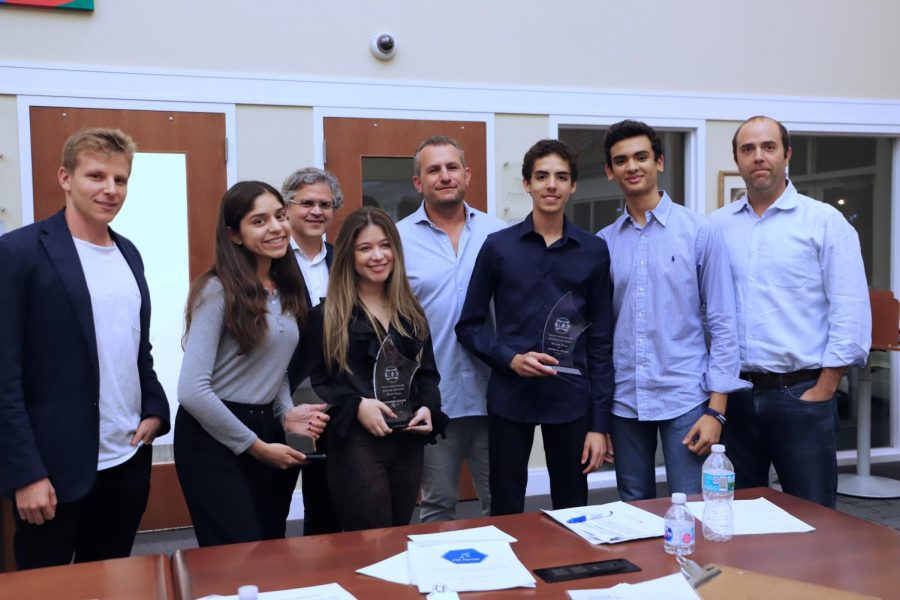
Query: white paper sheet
{"points": [[488, 533], [671, 587], [466, 566], [758, 516], [611, 523], [396, 568], [329, 591]]}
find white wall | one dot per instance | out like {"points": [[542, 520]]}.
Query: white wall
{"points": [[718, 157], [514, 136], [273, 142], [802, 47], [10, 206]]}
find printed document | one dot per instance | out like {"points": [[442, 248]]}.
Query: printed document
{"points": [[671, 587], [609, 523], [396, 568], [329, 591], [758, 516], [465, 566]]}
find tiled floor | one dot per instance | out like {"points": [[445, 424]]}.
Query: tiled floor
{"points": [[884, 511]]}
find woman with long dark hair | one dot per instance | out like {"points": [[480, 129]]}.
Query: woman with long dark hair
{"points": [[242, 324], [374, 471]]}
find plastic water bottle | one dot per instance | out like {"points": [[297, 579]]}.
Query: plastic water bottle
{"points": [[718, 492], [679, 535]]}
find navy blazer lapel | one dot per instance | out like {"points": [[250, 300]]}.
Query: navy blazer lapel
{"points": [[57, 241]]}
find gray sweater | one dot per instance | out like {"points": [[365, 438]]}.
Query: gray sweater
{"points": [[214, 370]]}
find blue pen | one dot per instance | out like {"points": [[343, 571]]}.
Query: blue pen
{"points": [[583, 518]]}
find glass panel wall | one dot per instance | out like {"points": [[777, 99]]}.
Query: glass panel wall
{"points": [[154, 217], [387, 184], [853, 174], [597, 201]]}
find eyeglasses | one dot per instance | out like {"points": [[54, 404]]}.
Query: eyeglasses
{"points": [[309, 204]]}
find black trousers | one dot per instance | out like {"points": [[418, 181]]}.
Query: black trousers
{"points": [[374, 481], [508, 454], [232, 498], [319, 514], [100, 526]]}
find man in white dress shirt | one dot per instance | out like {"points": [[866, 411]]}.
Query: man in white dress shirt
{"points": [[312, 196]]}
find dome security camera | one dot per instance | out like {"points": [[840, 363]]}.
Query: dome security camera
{"points": [[383, 45]]}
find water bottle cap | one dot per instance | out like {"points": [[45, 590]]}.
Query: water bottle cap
{"points": [[248, 591], [678, 498], [718, 448]]}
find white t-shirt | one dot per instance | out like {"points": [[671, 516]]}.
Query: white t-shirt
{"points": [[116, 307], [315, 272]]}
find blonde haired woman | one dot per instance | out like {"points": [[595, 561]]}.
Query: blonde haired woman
{"points": [[374, 471]]}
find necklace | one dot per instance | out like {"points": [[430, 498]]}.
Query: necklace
{"points": [[275, 308]]}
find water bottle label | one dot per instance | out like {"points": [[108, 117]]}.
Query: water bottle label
{"points": [[718, 482], [679, 535]]}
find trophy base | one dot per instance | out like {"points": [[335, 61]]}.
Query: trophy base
{"points": [[399, 424], [567, 370], [300, 443]]}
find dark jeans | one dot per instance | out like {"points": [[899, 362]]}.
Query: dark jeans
{"points": [[100, 526], [773, 426], [634, 442], [374, 481], [232, 498], [510, 447]]}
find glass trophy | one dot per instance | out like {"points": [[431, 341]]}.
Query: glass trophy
{"points": [[561, 332], [392, 379]]}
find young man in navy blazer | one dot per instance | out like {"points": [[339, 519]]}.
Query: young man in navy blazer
{"points": [[79, 399], [312, 196]]}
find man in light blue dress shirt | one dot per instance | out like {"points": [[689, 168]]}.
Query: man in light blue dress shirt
{"points": [[670, 274], [803, 317], [440, 242]]}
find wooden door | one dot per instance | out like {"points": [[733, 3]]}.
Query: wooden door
{"points": [[348, 141], [200, 136]]}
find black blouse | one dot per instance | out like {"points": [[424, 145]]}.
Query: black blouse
{"points": [[343, 392]]}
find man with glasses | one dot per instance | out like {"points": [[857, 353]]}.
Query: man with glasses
{"points": [[312, 196]]}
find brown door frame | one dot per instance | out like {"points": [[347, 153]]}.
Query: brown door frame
{"points": [[479, 159], [166, 507], [153, 131]]}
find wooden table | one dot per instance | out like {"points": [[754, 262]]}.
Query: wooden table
{"points": [[844, 552], [134, 578]]}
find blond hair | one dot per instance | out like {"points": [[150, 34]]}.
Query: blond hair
{"points": [[97, 140], [343, 295]]}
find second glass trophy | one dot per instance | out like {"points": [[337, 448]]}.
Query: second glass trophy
{"points": [[561, 332]]}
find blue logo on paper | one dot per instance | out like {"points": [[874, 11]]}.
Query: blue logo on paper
{"points": [[465, 556]]}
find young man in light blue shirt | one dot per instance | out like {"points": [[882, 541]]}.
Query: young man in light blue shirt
{"points": [[440, 242], [670, 275], [803, 316]]}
